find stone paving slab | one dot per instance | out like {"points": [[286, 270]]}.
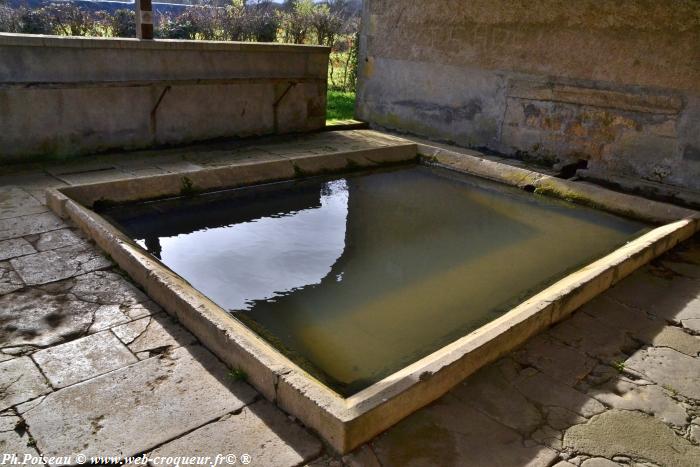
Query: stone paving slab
{"points": [[448, 433], [555, 359], [62, 263], [670, 368], [15, 202], [20, 381], [83, 359], [260, 430], [15, 247], [139, 407], [153, 334], [638, 435], [26, 225], [57, 239], [9, 279], [648, 398], [60, 311], [14, 439]]}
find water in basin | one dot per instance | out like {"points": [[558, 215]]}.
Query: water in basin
{"points": [[354, 277]]}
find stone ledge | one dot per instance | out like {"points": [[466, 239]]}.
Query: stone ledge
{"points": [[36, 40], [646, 103]]}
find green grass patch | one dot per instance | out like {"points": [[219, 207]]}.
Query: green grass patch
{"points": [[341, 106]]}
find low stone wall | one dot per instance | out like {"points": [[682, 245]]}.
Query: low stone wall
{"points": [[64, 96], [615, 83]]}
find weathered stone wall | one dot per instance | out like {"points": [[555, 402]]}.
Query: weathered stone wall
{"points": [[64, 96], [615, 83]]}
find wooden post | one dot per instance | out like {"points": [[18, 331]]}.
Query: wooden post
{"points": [[144, 19]]}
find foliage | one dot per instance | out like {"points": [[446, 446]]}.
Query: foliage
{"points": [[263, 23], [67, 19], [326, 24], [296, 20], [122, 23], [182, 26]]}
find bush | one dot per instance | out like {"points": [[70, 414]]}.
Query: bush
{"points": [[297, 20], [122, 23], [182, 26], [263, 23], [9, 19], [69, 20], [326, 24], [35, 21]]}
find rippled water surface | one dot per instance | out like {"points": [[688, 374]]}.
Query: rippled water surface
{"points": [[356, 277]]}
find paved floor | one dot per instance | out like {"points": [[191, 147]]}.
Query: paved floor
{"points": [[89, 365]]}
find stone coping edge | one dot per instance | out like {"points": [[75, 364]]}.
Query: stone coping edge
{"points": [[344, 423], [37, 40]]}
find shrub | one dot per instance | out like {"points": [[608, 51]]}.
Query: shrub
{"points": [[9, 19], [182, 26], [296, 20], [122, 23], [35, 21], [70, 20], [263, 23], [326, 24]]}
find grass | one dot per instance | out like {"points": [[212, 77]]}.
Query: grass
{"points": [[341, 106]]}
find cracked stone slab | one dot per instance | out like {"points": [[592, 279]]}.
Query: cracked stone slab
{"points": [[54, 265], [668, 368], [260, 430], [548, 392], [32, 317], [15, 202], [674, 299], [106, 288], [14, 439], [632, 434], [15, 247], [20, 381], [641, 326], [649, 398], [9, 279], [57, 239], [677, 339], [136, 408], [691, 323], [599, 462], [490, 391], [153, 333], [28, 225], [83, 359], [557, 360], [594, 338], [683, 268], [447, 432], [64, 310]]}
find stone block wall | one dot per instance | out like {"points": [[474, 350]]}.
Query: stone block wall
{"points": [[614, 83], [65, 96]]}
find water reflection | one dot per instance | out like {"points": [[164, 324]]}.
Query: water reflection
{"points": [[265, 257]]}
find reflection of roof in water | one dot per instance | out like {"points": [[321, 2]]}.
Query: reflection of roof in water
{"points": [[184, 215]]}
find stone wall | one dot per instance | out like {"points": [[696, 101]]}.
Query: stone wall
{"points": [[615, 83], [63, 96]]}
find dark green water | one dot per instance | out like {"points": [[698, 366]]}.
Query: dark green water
{"points": [[356, 277]]}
